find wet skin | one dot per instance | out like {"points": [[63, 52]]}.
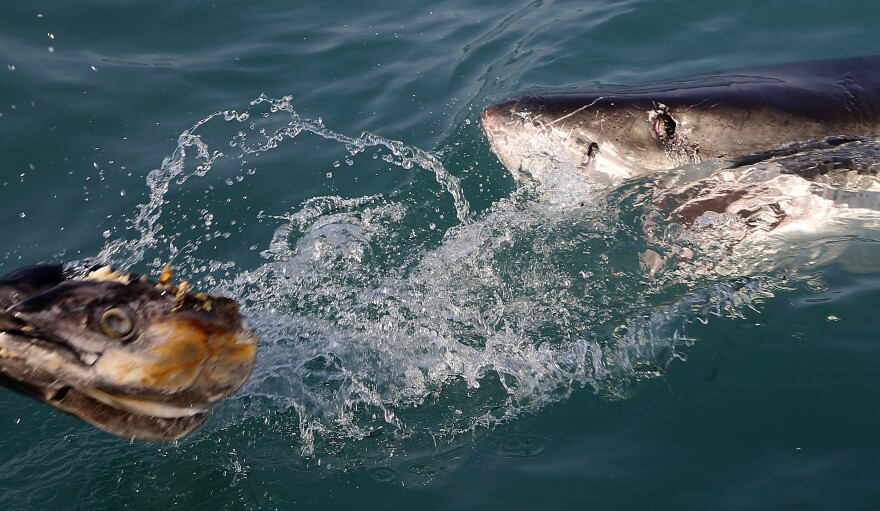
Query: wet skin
{"points": [[618, 132], [138, 359]]}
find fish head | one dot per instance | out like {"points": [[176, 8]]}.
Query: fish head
{"points": [[136, 358]]}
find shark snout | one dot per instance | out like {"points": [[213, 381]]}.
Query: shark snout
{"points": [[493, 119]]}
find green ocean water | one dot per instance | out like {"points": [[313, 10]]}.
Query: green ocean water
{"points": [[432, 338]]}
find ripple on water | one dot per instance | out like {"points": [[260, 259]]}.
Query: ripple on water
{"points": [[520, 446], [384, 474]]}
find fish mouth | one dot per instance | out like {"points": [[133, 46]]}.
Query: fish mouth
{"points": [[125, 417], [158, 409], [129, 417], [138, 359], [145, 407]]}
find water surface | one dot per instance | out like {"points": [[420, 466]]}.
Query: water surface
{"points": [[432, 337]]}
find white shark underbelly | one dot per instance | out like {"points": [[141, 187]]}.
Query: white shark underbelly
{"points": [[796, 209]]}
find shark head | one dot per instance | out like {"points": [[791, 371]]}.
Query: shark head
{"points": [[617, 132]]}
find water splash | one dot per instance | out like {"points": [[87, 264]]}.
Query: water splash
{"points": [[177, 168], [378, 328]]}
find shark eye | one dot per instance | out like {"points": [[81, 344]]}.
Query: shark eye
{"points": [[664, 125], [593, 150], [117, 323]]}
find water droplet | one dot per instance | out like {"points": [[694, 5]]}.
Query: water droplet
{"points": [[22, 215]]}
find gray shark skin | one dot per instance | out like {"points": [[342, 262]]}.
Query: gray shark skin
{"points": [[617, 132]]}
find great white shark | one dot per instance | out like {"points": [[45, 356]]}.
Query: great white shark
{"points": [[612, 133], [761, 157]]}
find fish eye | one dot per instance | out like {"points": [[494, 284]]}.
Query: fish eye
{"points": [[117, 323], [593, 150]]}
